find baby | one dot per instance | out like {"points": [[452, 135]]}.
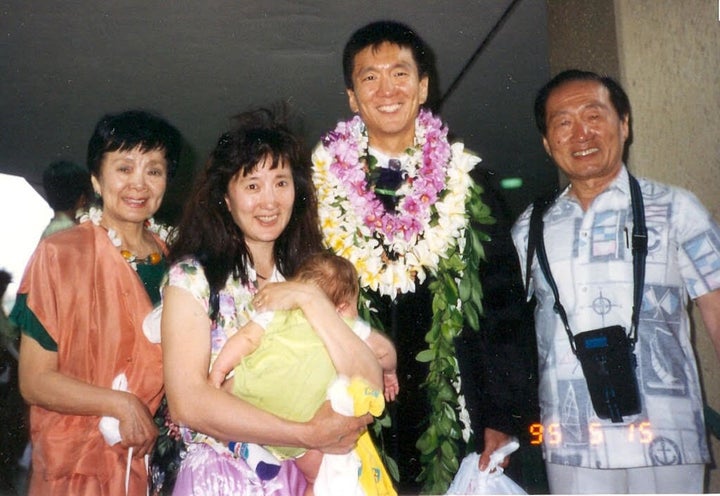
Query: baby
{"points": [[279, 364]]}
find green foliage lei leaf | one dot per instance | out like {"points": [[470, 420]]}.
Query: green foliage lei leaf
{"points": [[457, 299]]}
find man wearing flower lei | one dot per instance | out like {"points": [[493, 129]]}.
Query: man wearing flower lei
{"points": [[396, 198]]}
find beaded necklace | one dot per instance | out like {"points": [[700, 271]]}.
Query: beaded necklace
{"points": [[94, 215], [153, 259]]}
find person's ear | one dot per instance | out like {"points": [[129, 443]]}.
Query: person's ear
{"points": [[81, 202], [352, 100], [625, 124], [547, 146], [423, 89], [96, 186], [341, 308]]}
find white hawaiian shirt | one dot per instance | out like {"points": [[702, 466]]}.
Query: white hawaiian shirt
{"points": [[591, 260]]}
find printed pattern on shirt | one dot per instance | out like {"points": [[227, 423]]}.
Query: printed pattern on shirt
{"points": [[590, 253]]}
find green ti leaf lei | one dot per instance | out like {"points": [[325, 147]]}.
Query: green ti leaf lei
{"points": [[457, 300]]}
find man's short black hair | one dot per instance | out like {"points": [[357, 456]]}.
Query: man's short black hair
{"points": [[65, 183], [5, 280], [379, 32]]}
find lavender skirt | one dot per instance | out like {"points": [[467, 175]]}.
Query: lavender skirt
{"points": [[205, 472]]}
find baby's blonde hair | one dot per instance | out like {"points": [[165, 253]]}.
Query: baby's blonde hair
{"points": [[335, 275]]}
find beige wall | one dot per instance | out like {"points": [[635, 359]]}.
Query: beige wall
{"points": [[669, 52], [666, 54]]}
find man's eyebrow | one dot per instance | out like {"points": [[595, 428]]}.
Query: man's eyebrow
{"points": [[396, 65], [557, 113], [595, 105], [590, 106]]}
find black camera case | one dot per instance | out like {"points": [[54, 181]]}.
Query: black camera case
{"points": [[608, 363]]}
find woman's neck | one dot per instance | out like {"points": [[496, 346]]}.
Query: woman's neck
{"points": [[133, 237], [263, 258]]}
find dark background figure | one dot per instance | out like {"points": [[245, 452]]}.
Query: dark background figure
{"points": [[67, 190], [13, 427]]}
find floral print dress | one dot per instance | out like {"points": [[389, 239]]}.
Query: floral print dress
{"points": [[207, 466]]}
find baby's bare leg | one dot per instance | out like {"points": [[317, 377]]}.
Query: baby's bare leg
{"points": [[309, 465]]}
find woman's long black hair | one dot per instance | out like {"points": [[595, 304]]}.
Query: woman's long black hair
{"points": [[208, 232]]}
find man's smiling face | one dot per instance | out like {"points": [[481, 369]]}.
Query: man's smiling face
{"points": [[387, 92], [585, 135]]}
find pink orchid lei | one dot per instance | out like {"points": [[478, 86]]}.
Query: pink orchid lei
{"points": [[425, 178], [393, 249]]}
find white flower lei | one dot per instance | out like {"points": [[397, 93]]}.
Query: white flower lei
{"points": [[94, 214], [347, 211]]}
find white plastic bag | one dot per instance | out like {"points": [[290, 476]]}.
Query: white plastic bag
{"points": [[470, 480]]}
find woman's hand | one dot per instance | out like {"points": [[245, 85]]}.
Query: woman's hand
{"points": [[137, 429], [42, 384], [285, 296], [333, 433]]}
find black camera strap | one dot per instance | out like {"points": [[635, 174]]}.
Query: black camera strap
{"points": [[536, 243]]}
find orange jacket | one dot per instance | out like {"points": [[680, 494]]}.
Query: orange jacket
{"points": [[92, 303]]}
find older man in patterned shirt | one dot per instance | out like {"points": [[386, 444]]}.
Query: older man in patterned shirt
{"points": [[585, 123]]}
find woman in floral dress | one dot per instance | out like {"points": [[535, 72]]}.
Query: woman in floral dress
{"points": [[250, 221]]}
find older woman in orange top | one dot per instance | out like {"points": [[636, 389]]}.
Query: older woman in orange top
{"points": [[83, 355]]}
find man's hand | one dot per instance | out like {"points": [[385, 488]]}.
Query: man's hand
{"points": [[493, 440]]}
